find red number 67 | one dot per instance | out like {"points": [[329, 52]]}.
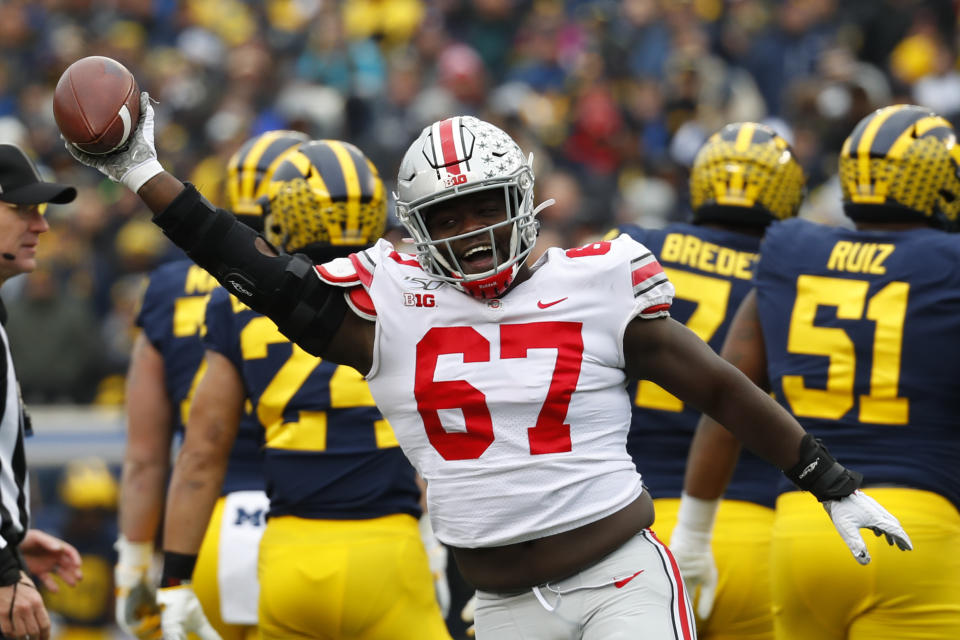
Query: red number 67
{"points": [[549, 435]]}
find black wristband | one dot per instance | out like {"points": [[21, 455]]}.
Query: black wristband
{"points": [[177, 568], [820, 474]]}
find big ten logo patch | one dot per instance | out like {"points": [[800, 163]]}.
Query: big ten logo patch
{"points": [[454, 180], [254, 517], [419, 300]]}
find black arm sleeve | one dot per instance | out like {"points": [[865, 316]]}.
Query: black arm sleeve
{"points": [[284, 288]]}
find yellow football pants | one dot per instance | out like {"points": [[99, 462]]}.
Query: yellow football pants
{"points": [[205, 583], [820, 591], [741, 549], [346, 580]]}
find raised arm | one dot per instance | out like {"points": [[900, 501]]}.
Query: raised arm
{"points": [[281, 286]]}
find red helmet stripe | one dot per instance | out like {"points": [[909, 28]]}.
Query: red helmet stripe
{"points": [[449, 146]]}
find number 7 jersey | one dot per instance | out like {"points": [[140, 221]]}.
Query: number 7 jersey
{"points": [[513, 410]]}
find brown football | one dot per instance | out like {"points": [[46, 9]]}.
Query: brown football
{"points": [[96, 104]]}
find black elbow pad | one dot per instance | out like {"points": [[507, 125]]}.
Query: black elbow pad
{"points": [[306, 309], [284, 288]]}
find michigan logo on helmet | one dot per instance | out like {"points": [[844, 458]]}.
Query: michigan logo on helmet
{"points": [[457, 156], [325, 192], [746, 174], [901, 163], [249, 171]]}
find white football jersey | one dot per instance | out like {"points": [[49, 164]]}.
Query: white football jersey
{"points": [[513, 410]]}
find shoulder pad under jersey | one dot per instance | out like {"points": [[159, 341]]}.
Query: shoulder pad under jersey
{"points": [[652, 290], [347, 273], [339, 272]]}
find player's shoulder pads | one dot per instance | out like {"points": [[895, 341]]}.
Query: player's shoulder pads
{"points": [[343, 272], [652, 288]]}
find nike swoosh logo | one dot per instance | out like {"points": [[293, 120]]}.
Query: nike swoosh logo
{"points": [[544, 305], [620, 584]]}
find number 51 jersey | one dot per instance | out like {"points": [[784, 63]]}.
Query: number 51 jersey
{"points": [[514, 409], [862, 333]]}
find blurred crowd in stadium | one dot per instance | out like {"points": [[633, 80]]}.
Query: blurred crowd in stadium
{"points": [[615, 97]]}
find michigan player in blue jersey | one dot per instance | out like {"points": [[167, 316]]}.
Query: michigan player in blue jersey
{"points": [[341, 556], [743, 178], [166, 362], [857, 334]]}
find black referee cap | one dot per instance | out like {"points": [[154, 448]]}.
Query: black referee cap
{"points": [[20, 182]]}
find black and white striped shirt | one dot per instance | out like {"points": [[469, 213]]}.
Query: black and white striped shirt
{"points": [[14, 486]]}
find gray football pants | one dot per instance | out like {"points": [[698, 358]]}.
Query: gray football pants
{"points": [[634, 593]]}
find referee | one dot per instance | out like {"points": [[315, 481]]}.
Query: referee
{"points": [[23, 200]]}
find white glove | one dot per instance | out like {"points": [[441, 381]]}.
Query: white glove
{"points": [[135, 162], [137, 611], [859, 511], [690, 544], [437, 555], [468, 613], [183, 614]]}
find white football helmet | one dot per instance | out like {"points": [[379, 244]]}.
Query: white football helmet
{"points": [[454, 157]]}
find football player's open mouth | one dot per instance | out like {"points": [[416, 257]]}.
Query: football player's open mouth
{"points": [[478, 258]]}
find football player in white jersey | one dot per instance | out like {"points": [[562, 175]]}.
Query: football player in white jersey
{"points": [[504, 382]]}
